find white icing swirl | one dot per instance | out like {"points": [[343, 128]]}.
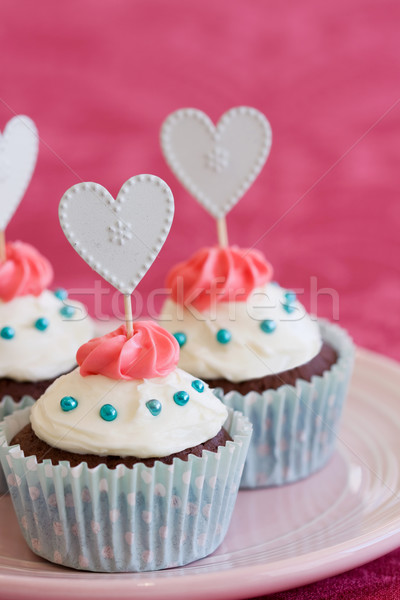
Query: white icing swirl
{"points": [[251, 353], [135, 431], [33, 355]]}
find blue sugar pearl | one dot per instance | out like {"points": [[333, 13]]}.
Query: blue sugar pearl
{"points": [[154, 407], [61, 294], [68, 403], [268, 326], [180, 338], [290, 297], [181, 398], [108, 412], [7, 333], [67, 311], [223, 336], [198, 385], [42, 324], [289, 308]]}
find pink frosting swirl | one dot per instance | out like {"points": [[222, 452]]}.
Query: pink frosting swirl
{"points": [[150, 352], [218, 275], [25, 271]]}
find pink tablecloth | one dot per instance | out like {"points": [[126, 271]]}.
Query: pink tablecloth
{"points": [[98, 77]]}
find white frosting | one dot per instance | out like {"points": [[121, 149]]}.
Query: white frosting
{"points": [[251, 353], [33, 355], [135, 431]]}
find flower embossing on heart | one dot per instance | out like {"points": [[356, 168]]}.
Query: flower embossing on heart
{"points": [[120, 232], [217, 159]]}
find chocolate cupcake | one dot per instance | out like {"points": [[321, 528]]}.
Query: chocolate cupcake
{"points": [[253, 341], [39, 331], [127, 463]]}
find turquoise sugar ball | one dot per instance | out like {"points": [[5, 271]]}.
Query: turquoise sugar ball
{"points": [[154, 407], [108, 412], [180, 338], [42, 324], [7, 333], [198, 385], [61, 294], [289, 308], [223, 336], [181, 398], [68, 403], [290, 296], [268, 326], [67, 311]]}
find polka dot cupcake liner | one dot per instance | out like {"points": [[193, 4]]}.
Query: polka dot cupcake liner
{"points": [[295, 428], [7, 407], [138, 519]]}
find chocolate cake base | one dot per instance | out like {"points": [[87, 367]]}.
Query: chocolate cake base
{"points": [[18, 389], [34, 446], [316, 366]]}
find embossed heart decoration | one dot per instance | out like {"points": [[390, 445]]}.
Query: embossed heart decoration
{"points": [[18, 153], [216, 164], [118, 238]]}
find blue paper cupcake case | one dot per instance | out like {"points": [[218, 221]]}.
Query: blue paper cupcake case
{"points": [[7, 407], [295, 428], [138, 519]]}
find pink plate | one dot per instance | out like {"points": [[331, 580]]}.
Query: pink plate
{"points": [[343, 516]]}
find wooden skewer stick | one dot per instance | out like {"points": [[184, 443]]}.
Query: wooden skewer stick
{"points": [[2, 246], [128, 315], [222, 232]]}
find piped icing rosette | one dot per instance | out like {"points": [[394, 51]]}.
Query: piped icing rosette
{"points": [[25, 271], [39, 331], [128, 398], [231, 321], [218, 275]]}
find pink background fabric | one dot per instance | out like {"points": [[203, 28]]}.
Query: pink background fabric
{"points": [[99, 77]]}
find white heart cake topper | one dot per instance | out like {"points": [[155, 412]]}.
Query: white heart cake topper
{"points": [[216, 164], [118, 238], [18, 153]]}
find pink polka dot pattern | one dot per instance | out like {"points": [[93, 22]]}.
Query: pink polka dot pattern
{"points": [[107, 552], [85, 495], [34, 492], [129, 537], [58, 528], [83, 562], [52, 500], [114, 515], [95, 526]]}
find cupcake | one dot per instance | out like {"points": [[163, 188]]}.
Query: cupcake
{"points": [[127, 463], [39, 332], [254, 342]]}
